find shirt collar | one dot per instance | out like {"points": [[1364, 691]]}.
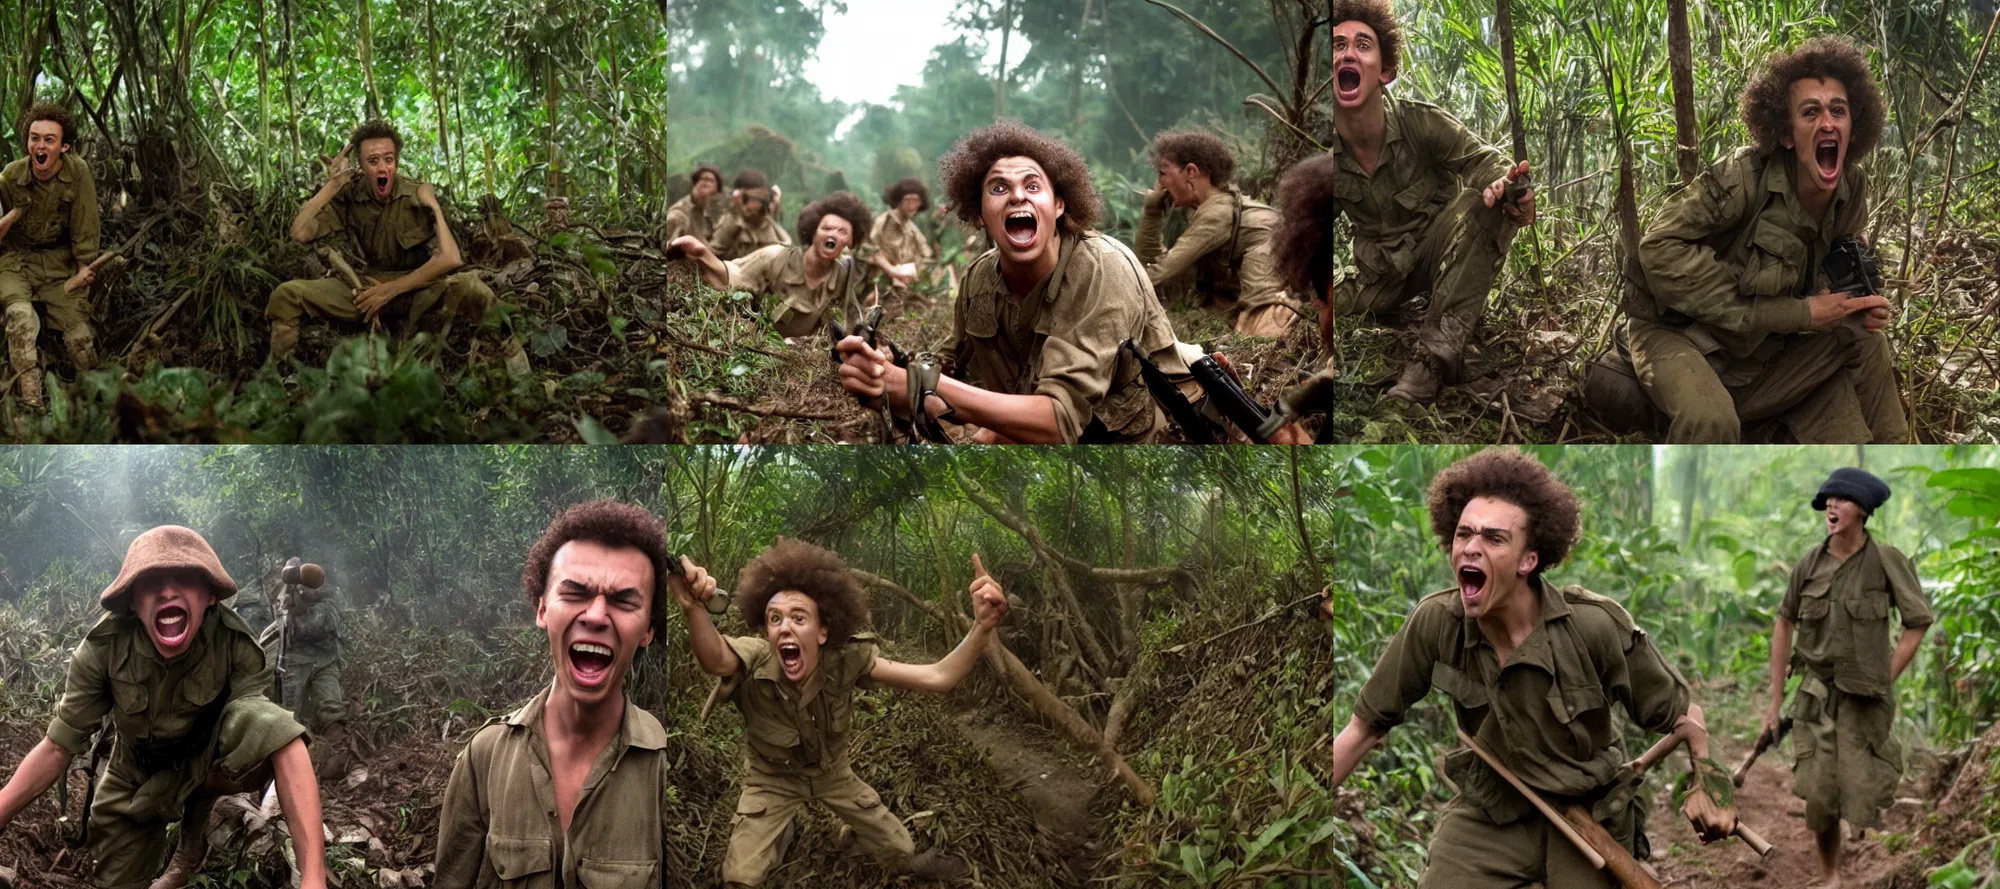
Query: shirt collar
{"points": [[1555, 606], [638, 729], [1392, 126]]}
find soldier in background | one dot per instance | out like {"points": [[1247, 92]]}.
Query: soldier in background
{"points": [[303, 641]]}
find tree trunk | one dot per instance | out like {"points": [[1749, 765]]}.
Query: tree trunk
{"points": [[549, 79], [1000, 77], [437, 86], [1680, 55], [1299, 516]]}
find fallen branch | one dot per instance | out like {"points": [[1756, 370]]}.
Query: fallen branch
{"points": [[720, 400], [341, 268], [1259, 621], [1205, 29]]}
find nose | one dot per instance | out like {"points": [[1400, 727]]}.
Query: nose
{"points": [[597, 615]]}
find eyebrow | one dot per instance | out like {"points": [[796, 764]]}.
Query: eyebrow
{"points": [[1491, 529], [572, 586]]}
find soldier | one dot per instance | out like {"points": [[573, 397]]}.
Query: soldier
{"points": [[48, 238], [1837, 606], [406, 245], [1733, 323], [750, 223], [183, 680], [806, 280], [795, 685], [568, 791], [1227, 240], [1421, 192], [1532, 670], [690, 215], [303, 641], [1034, 355], [901, 251]]}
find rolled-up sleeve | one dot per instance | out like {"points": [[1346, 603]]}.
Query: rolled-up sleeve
{"points": [[85, 699], [1402, 676], [1907, 591]]}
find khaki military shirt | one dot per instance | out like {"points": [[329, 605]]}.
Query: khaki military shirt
{"points": [[1730, 256], [1063, 340], [498, 825], [61, 213], [1546, 713], [308, 628], [394, 236], [899, 240], [1222, 230], [167, 710], [797, 729], [801, 307], [1841, 609], [735, 239], [684, 218], [1427, 160]]}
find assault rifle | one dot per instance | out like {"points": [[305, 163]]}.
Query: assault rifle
{"points": [[1226, 404], [1850, 268]]}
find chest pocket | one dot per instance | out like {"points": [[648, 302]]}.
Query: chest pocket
{"points": [[518, 860], [1463, 689], [982, 317], [1419, 194], [206, 682], [1815, 605], [46, 223], [1773, 262], [600, 874], [416, 227]]}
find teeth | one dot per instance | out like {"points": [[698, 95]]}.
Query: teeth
{"points": [[591, 648], [173, 621]]}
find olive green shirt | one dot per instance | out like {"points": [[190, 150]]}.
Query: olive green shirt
{"points": [[396, 235], [216, 687], [1730, 256], [684, 218], [61, 214], [1222, 230], [1546, 713], [308, 627], [802, 728], [1427, 160], [899, 240], [801, 307], [498, 825], [735, 238], [1841, 609], [1062, 340]]}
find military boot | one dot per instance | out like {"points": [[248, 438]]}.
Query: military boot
{"points": [[193, 845], [332, 759], [31, 387], [1419, 382], [284, 338]]}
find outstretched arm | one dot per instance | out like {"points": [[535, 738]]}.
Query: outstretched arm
{"points": [[713, 272], [40, 770], [1023, 419], [693, 588], [1353, 743], [338, 173], [1781, 662], [298, 795], [989, 606]]}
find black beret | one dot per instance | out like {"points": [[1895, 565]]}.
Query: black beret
{"points": [[1856, 485]]}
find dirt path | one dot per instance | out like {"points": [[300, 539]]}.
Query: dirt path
{"points": [[1059, 793], [1766, 803]]}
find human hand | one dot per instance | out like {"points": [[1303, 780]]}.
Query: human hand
{"points": [[864, 370], [691, 585], [989, 601], [1520, 211], [339, 171], [1829, 308], [372, 300]]}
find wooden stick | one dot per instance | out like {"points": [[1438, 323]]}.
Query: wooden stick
{"points": [[341, 268], [1666, 745], [1590, 853]]}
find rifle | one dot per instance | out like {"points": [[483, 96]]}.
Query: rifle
{"points": [[1850, 268], [1196, 427], [1765, 740], [868, 329], [76, 832], [1575, 823], [1228, 396]]}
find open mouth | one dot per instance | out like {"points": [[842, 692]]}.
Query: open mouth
{"points": [[382, 186], [1472, 584], [830, 245], [793, 658], [1347, 82], [1832, 522], [589, 663], [41, 160], [1827, 155], [170, 625], [1022, 229]]}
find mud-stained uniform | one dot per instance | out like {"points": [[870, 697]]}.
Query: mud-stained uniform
{"points": [[684, 218], [1421, 224], [55, 236], [179, 722], [498, 827], [1848, 764], [798, 308], [1719, 333], [395, 237], [899, 240], [1227, 246], [796, 752], [306, 680], [1063, 339], [735, 238], [1547, 714]]}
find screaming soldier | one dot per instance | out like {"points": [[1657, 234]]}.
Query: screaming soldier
{"points": [[407, 248], [1034, 355], [1734, 322], [569, 790], [1837, 608], [805, 280], [48, 239], [689, 215], [1532, 671], [1227, 240], [901, 251], [1421, 191], [795, 684], [303, 641], [750, 222], [183, 680]]}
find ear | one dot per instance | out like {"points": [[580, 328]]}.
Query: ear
{"points": [[648, 638], [822, 635], [1059, 206], [1529, 560], [541, 611], [1786, 141]]}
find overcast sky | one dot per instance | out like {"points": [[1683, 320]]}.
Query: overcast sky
{"points": [[878, 45]]}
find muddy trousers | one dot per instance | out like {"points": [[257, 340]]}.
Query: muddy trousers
{"points": [[1457, 260], [129, 818], [21, 288], [1847, 761], [770, 802], [1828, 388], [1470, 852], [462, 295]]}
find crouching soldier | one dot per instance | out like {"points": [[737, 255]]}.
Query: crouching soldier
{"points": [[406, 244], [795, 685], [1227, 243], [48, 239], [569, 790], [303, 642], [183, 680], [804, 280], [900, 250]]}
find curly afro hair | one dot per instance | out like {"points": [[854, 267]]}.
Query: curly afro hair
{"points": [[1380, 17], [610, 523], [1767, 99], [751, 177], [1507, 474], [844, 204], [375, 129], [962, 172], [51, 112], [1303, 241], [803, 568], [893, 195], [709, 170], [1198, 147]]}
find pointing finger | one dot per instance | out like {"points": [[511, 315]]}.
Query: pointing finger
{"points": [[978, 569]]}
